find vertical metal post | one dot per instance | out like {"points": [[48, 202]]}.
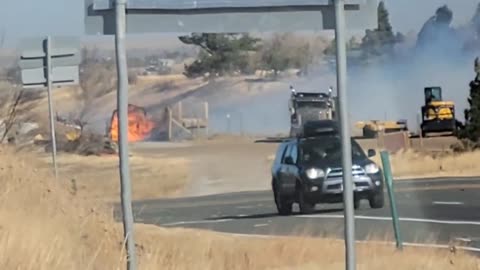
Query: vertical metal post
{"points": [[387, 171], [241, 124], [50, 104], [180, 111], [228, 124], [122, 109], [170, 124], [345, 135], [419, 127], [207, 122]]}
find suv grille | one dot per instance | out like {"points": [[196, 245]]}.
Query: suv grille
{"points": [[338, 172]]}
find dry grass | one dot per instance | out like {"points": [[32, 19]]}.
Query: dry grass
{"points": [[43, 226], [410, 163], [98, 177]]}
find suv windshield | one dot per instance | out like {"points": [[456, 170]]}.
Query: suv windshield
{"points": [[328, 147]]}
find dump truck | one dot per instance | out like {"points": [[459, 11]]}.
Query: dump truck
{"points": [[371, 128], [437, 115], [310, 106]]}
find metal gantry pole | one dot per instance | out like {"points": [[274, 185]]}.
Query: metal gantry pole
{"points": [[122, 109], [50, 104], [345, 135]]}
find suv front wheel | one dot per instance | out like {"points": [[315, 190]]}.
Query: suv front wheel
{"points": [[306, 207], [284, 207], [377, 200]]}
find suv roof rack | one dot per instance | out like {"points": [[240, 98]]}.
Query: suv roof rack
{"points": [[319, 128]]}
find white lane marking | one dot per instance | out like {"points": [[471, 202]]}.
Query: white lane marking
{"points": [[242, 215], [196, 222], [437, 221], [260, 225], [448, 203], [461, 239], [245, 207], [452, 180]]}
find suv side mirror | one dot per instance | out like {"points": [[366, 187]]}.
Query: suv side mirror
{"points": [[372, 152], [289, 160]]}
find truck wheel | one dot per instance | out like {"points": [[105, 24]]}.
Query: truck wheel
{"points": [[305, 206], [356, 204], [377, 200], [284, 208]]}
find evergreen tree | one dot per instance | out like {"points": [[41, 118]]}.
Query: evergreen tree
{"points": [[381, 40], [475, 21], [471, 130], [384, 29], [436, 36], [220, 53]]}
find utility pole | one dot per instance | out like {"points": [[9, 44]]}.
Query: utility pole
{"points": [[122, 109], [349, 215]]}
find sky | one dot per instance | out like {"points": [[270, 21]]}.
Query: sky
{"points": [[19, 18]]}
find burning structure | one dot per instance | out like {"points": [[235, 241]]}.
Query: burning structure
{"points": [[140, 125], [171, 124]]}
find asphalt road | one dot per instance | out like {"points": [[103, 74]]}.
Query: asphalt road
{"points": [[438, 211]]}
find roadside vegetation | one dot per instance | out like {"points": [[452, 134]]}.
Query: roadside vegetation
{"points": [[41, 217]]}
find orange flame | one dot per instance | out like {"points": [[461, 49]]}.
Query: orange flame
{"points": [[139, 125]]}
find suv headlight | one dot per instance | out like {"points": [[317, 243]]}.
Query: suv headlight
{"points": [[372, 168], [314, 173]]}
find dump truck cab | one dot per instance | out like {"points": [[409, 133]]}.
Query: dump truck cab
{"points": [[310, 106], [437, 115]]}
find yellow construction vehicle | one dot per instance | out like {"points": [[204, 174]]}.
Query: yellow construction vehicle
{"points": [[370, 129], [437, 115]]}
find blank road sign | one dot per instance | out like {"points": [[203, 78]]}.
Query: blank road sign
{"points": [[220, 16], [65, 59], [33, 78], [31, 63]]}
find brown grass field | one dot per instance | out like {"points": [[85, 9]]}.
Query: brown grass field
{"points": [[97, 177], [44, 226]]}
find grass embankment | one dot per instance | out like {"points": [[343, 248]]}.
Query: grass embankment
{"points": [[43, 225]]}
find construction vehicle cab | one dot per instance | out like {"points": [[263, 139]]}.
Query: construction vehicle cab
{"points": [[437, 115]]}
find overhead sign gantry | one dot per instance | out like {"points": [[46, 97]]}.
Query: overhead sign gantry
{"points": [[121, 17]]}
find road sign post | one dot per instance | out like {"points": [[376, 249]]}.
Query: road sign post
{"points": [[48, 51], [349, 215], [46, 63], [122, 109], [387, 171]]}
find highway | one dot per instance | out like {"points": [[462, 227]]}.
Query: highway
{"points": [[439, 211]]}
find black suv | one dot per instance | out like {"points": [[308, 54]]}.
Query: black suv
{"points": [[308, 171]]}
